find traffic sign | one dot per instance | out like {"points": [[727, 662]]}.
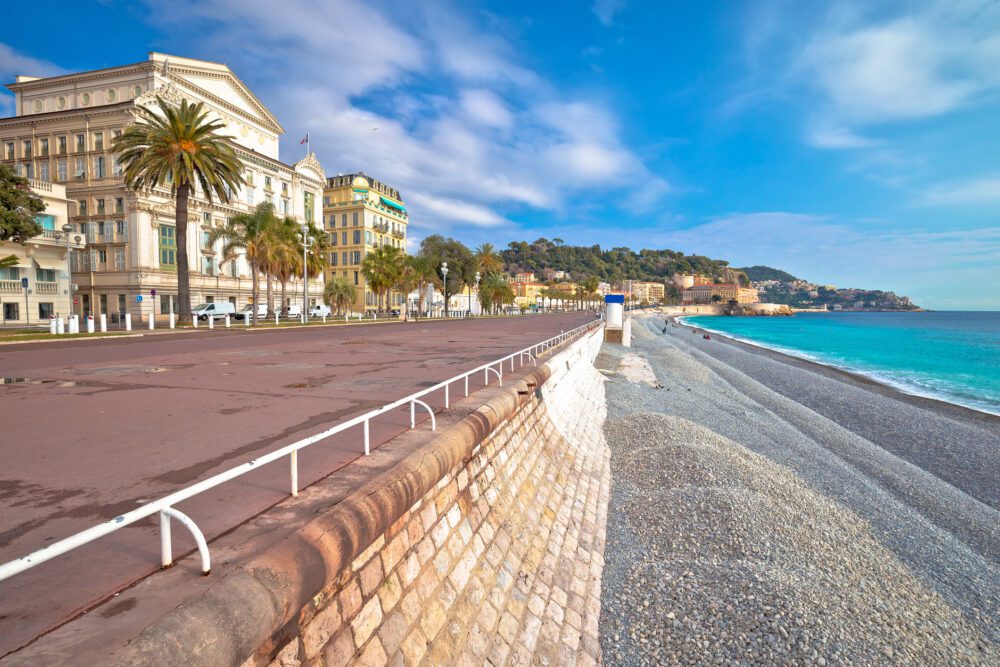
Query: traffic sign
{"points": [[152, 292], [24, 283], [138, 298]]}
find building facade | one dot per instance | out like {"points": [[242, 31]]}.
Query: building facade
{"points": [[361, 214], [39, 286], [649, 292], [725, 292], [62, 133]]}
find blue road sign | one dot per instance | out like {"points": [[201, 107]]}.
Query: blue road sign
{"points": [[24, 283], [138, 298]]}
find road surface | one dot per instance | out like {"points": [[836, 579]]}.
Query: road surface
{"points": [[92, 429]]}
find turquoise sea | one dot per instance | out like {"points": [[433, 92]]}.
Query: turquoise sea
{"points": [[950, 356]]}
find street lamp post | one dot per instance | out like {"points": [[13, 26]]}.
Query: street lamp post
{"points": [[478, 276], [67, 228], [444, 272], [305, 270]]}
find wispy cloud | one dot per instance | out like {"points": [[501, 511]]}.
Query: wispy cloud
{"points": [[838, 138], [982, 190], [14, 63], [466, 131], [605, 10]]}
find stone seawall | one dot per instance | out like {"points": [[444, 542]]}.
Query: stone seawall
{"points": [[485, 544]]}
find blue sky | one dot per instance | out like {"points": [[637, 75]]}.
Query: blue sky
{"points": [[853, 143]]}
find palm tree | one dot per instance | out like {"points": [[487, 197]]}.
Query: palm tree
{"points": [[425, 270], [253, 233], [179, 147], [381, 268], [339, 293], [287, 254], [487, 259], [406, 281], [494, 292]]}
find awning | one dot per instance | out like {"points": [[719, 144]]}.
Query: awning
{"points": [[23, 262], [392, 204], [53, 263]]}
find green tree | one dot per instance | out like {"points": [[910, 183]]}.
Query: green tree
{"points": [[179, 147], [18, 207], [407, 280], [426, 273], [252, 233], [494, 292], [716, 298], [487, 260], [339, 293], [461, 262], [381, 269]]}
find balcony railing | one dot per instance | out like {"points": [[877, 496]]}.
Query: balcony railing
{"points": [[398, 233], [35, 184], [46, 288], [10, 286]]}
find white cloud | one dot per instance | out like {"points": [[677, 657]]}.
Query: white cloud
{"points": [[462, 123], [605, 10], [837, 138], [983, 190]]}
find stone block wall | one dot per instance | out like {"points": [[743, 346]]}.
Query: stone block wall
{"points": [[498, 563]]}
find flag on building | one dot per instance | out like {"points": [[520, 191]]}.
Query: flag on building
{"points": [[305, 139]]}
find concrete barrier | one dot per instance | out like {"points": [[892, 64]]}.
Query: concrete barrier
{"points": [[485, 543]]}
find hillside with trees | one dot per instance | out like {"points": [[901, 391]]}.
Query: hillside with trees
{"points": [[762, 273], [614, 264]]}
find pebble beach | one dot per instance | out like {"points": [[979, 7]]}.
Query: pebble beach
{"points": [[766, 510]]}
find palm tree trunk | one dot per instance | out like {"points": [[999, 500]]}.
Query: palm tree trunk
{"points": [[255, 289], [270, 295], [284, 283], [183, 279]]}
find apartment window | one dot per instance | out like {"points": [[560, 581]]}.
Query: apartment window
{"points": [[44, 146], [307, 206], [102, 229], [250, 196], [326, 200], [268, 199], [82, 206], [355, 223], [62, 145], [29, 169], [357, 236], [121, 230], [80, 171], [43, 170], [333, 238], [168, 246], [10, 311], [104, 303], [356, 259], [10, 150], [119, 205], [45, 275], [167, 302], [249, 178], [61, 169], [368, 237], [343, 238], [46, 221], [343, 220], [343, 258], [117, 167], [99, 163], [27, 148], [116, 134], [208, 266], [284, 207], [121, 303], [98, 141], [100, 207], [102, 257], [119, 259], [267, 183], [355, 277], [81, 143], [333, 259]]}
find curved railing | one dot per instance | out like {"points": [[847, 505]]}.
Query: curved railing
{"points": [[165, 506]]}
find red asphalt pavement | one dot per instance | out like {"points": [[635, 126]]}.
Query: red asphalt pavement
{"points": [[101, 426]]}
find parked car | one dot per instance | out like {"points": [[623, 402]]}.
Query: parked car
{"points": [[320, 310], [247, 311], [292, 312], [216, 311]]}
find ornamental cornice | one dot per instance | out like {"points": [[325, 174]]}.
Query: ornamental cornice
{"points": [[95, 75], [122, 108], [265, 117], [168, 92], [310, 161]]}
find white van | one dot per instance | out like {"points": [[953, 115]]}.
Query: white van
{"points": [[216, 311], [247, 312], [292, 312], [320, 310]]}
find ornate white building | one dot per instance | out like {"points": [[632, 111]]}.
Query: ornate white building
{"points": [[62, 133]]}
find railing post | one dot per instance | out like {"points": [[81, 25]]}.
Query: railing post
{"points": [[367, 441], [446, 404], [294, 462], [466, 385], [413, 414], [166, 550]]}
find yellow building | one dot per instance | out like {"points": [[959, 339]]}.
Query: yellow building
{"points": [[725, 292], [527, 294], [523, 278], [43, 261], [648, 292], [361, 214]]}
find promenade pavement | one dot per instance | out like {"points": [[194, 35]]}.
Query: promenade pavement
{"points": [[92, 429]]}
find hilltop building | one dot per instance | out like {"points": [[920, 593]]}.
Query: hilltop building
{"points": [[362, 214], [701, 294], [43, 261], [649, 292], [62, 133], [527, 277]]}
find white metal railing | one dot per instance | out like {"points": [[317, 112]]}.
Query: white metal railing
{"points": [[164, 507]]}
